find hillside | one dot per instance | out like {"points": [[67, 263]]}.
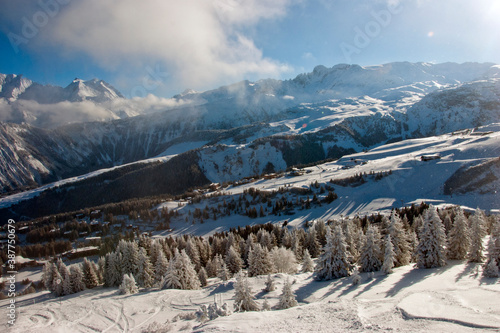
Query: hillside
{"points": [[393, 175], [309, 111], [447, 299]]}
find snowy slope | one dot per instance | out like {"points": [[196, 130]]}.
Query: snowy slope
{"points": [[451, 299]]}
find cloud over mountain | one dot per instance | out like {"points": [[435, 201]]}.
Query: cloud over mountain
{"points": [[198, 41]]}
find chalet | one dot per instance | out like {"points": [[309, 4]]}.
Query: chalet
{"points": [[214, 186], [426, 158]]}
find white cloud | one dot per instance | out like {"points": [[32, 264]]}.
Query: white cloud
{"points": [[200, 42]]}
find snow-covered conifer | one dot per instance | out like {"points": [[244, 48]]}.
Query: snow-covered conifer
{"points": [[477, 232], [413, 241], [130, 256], [161, 267], [101, 265], [57, 284], [296, 246], [334, 261], [222, 272], [48, 275], [211, 268], [269, 284], [61, 267], [431, 251], [76, 276], [370, 252], [128, 285], [154, 251], [67, 284], [243, 298], [459, 237], [287, 298], [399, 239], [89, 276], [284, 260], [389, 256], [350, 238], [492, 265], [491, 269], [193, 253], [111, 274], [313, 245], [181, 273], [259, 261], [202, 275], [145, 273], [233, 260], [286, 238], [307, 263]]}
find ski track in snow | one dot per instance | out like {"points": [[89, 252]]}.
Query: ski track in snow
{"points": [[454, 298]]}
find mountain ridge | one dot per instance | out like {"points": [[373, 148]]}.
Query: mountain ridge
{"points": [[248, 116]]}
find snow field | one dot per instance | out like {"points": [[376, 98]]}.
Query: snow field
{"points": [[454, 298]]}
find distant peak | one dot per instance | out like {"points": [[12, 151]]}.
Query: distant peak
{"points": [[319, 69]]}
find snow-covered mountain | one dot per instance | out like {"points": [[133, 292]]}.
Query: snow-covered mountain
{"points": [[16, 87], [244, 128]]}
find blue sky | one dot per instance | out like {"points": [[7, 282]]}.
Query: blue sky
{"points": [[165, 47]]}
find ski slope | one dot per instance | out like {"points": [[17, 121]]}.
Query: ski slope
{"points": [[411, 181], [454, 298]]}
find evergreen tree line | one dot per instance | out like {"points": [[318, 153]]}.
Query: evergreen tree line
{"points": [[342, 248]]}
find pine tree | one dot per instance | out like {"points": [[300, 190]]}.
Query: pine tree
{"points": [[313, 245], [233, 260], [284, 260], [128, 285], [350, 237], [287, 298], [145, 273], [370, 252], [400, 241], [334, 261], [48, 275], [57, 284], [101, 265], [202, 275], [161, 267], [67, 287], [431, 249], [259, 261], [181, 273], [243, 298], [492, 265], [193, 253], [413, 241], [89, 276], [154, 251], [389, 256], [111, 274], [459, 237], [477, 230], [76, 276], [61, 267], [296, 247], [307, 264], [130, 256], [222, 272], [269, 284]]}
